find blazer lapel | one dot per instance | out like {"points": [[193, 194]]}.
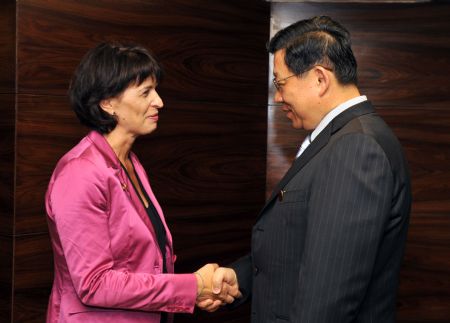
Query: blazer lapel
{"points": [[112, 161], [318, 143]]}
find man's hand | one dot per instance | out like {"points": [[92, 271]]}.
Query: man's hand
{"points": [[220, 288]]}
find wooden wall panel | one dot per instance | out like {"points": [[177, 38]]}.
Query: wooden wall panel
{"points": [[7, 50], [207, 170], [33, 274], [404, 68], [402, 49], [200, 43], [6, 276], [7, 108], [206, 161], [7, 163], [46, 129], [424, 289], [6, 201], [425, 135]]}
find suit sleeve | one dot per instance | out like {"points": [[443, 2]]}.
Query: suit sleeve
{"points": [[244, 274], [347, 212], [79, 204]]}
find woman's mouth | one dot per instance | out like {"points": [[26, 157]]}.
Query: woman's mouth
{"points": [[154, 117]]}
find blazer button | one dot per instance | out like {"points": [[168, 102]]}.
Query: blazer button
{"points": [[255, 270]]}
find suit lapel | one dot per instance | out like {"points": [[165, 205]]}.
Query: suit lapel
{"points": [[318, 143], [300, 162]]}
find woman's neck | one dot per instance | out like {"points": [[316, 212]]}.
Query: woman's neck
{"points": [[121, 144]]}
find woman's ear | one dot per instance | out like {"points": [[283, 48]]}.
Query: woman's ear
{"points": [[107, 106]]}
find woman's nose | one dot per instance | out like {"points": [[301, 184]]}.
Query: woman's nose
{"points": [[157, 101]]}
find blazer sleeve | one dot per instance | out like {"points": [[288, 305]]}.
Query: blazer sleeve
{"points": [[78, 200], [347, 212]]}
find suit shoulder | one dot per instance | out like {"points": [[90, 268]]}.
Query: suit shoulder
{"points": [[373, 127]]}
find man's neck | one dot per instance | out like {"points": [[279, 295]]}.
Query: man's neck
{"points": [[341, 94]]}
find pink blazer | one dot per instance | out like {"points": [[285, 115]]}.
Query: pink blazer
{"points": [[106, 256]]}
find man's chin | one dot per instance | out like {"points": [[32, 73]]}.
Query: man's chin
{"points": [[297, 124]]}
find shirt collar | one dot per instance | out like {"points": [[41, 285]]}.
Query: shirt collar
{"points": [[335, 112]]}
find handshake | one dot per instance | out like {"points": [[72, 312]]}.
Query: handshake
{"points": [[216, 286]]}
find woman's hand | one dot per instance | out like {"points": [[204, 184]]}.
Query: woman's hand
{"points": [[226, 288]]}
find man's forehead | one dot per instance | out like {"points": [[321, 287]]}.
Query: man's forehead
{"points": [[278, 61]]}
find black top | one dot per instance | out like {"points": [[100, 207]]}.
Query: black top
{"points": [[158, 226]]}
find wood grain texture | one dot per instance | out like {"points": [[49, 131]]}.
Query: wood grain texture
{"points": [[7, 49], [6, 203], [7, 113], [6, 276], [401, 49], [33, 274], [195, 147], [33, 262], [403, 56], [206, 162], [200, 43], [30, 305], [46, 129], [7, 128], [425, 136], [424, 285]]}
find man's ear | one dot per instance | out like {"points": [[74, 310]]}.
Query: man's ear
{"points": [[107, 106], [323, 79]]}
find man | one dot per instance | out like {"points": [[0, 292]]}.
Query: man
{"points": [[328, 244]]}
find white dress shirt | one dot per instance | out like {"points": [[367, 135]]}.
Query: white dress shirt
{"points": [[327, 119]]}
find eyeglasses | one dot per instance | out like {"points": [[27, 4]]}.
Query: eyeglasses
{"points": [[280, 83]]}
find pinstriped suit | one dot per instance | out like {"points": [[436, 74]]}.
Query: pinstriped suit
{"points": [[330, 250]]}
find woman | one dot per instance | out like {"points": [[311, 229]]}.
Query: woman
{"points": [[112, 249]]}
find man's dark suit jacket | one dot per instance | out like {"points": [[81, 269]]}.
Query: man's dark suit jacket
{"points": [[328, 244]]}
